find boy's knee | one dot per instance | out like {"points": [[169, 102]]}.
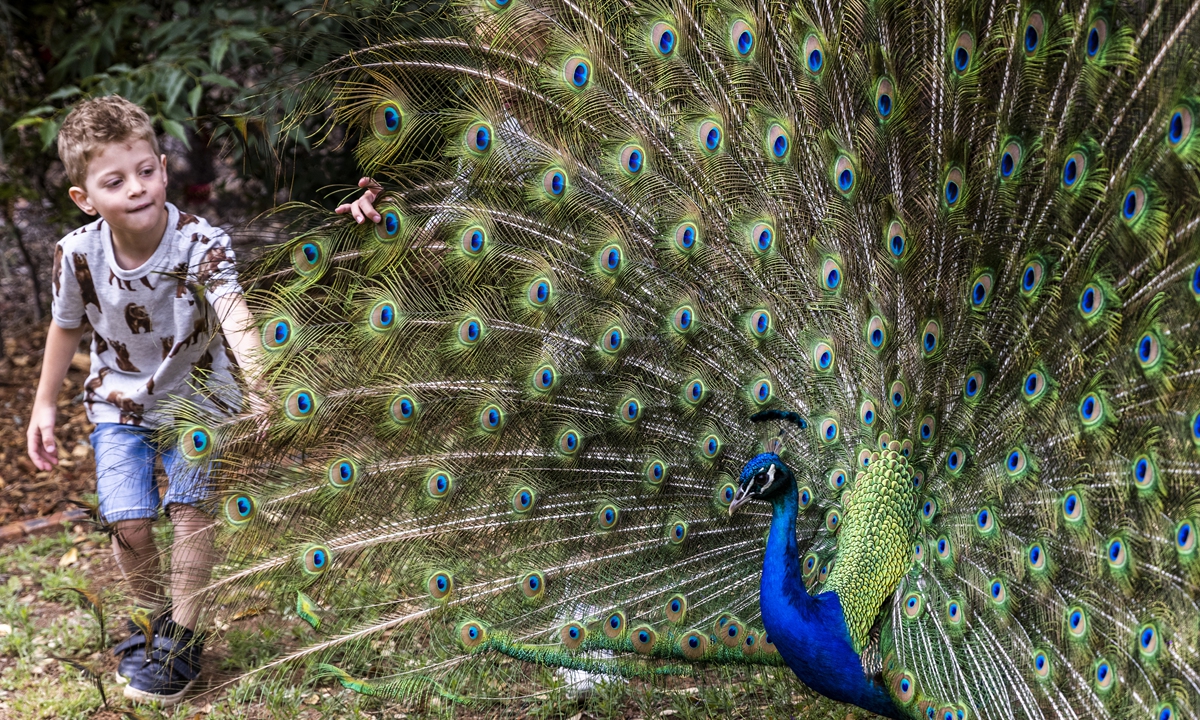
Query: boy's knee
{"points": [[134, 532], [181, 512]]}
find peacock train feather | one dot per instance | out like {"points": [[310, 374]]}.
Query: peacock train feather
{"points": [[913, 287]]}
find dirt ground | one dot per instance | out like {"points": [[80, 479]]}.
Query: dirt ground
{"points": [[26, 492]]}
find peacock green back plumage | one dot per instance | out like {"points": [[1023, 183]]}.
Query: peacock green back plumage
{"points": [[957, 238]]}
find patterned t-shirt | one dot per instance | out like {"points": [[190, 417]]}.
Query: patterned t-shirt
{"points": [[155, 330]]}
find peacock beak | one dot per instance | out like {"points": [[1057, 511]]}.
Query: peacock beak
{"points": [[742, 497]]}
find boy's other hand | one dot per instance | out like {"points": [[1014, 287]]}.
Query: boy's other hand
{"points": [[43, 449], [364, 207]]}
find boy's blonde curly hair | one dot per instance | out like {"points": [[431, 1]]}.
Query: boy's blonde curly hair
{"points": [[98, 122]]}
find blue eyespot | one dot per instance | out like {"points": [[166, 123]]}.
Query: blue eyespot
{"points": [[764, 239], [1007, 165], [311, 253], [579, 76], [483, 138], [745, 42], [666, 42], [1175, 129], [951, 192], [712, 140], [391, 119], [954, 460], [1031, 39], [634, 162], [687, 237], [885, 105], [1071, 171], [557, 183], [815, 61], [961, 59], [897, 245]]}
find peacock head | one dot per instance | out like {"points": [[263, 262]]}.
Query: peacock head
{"points": [[764, 477]]}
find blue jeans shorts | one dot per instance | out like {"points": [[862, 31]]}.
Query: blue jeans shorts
{"points": [[125, 482]]}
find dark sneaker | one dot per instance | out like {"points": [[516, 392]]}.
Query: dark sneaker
{"points": [[171, 666], [132, 650]]}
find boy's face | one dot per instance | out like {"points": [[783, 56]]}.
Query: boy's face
{"points": [[127, 186]]}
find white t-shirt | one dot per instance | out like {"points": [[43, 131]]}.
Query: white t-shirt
{"points": [[155, 330]]}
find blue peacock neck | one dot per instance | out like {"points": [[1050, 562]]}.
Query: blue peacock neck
{"points": [[810, 632]]}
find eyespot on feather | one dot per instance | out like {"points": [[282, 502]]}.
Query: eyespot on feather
{"points": [[1097, 37], [663, 38], [632, 159], [240, 509], [962, 53], [478, 138], [1180, 125], [885, 98], [472, 634], [315, 559], [491, 418], [686, 237], [741, 38], [387, 119], [383, 316], [814, 55], [577, 72], [953, 187], [403, 409], [572, 635], [390, 223], [709, 135], [555, 183], [1035, 28], [778, 141], [300, 404], [693, 644], [762, 238], [196, 443], [614, 624], [523, 500], [440, 585], [439, 484], [677, 608], [341, 473], [533, 585]]}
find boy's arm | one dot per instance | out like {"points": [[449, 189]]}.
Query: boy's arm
{"points": [[60, 348], [240, 333]]}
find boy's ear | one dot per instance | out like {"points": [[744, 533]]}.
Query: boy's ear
{"points": [[80, 196], [163, 159]]}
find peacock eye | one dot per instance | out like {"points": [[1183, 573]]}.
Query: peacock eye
{"points": [[777, 141], [663, 38], [387, 119], [885, 93], [479, 138], [577, 72]]}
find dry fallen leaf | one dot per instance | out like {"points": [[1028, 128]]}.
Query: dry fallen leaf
{"points": [[5, 629], [313, 699], [248, 612], [70, 557]]}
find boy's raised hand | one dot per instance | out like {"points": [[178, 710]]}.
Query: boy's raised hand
{"points": [[43, 449], [364, 207]]}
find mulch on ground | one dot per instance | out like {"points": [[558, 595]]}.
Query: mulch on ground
{"points": [[26, 492]]}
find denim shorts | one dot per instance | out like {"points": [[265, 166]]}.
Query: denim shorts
{"points": [[125, 481]]}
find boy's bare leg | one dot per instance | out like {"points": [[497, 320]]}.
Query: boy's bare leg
{"points": [[192, 559], [137, 557]]}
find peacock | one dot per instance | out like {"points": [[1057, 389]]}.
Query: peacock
{"points": [[856, 337]]}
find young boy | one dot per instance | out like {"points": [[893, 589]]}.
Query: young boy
{"points": [[159, 289]]}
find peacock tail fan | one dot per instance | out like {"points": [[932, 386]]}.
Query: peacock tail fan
{"points": [[953, 246]]}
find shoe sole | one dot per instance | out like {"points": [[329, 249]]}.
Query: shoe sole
{"points": [[132, 693]]}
